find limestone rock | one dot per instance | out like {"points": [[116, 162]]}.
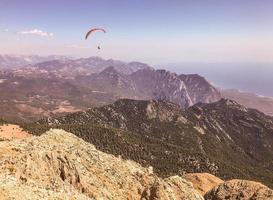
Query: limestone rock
{"points": [[59, 165], [240, 189]]}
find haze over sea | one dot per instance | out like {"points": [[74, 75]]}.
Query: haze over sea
{"points": [[248, 77]]}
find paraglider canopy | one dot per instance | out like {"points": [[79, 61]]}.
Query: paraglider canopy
{"points": [[94, 30]]}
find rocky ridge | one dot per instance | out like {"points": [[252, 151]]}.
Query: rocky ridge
{"points": [[58, 165]]}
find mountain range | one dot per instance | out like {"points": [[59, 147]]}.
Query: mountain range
{"points": [[60, 86], [18, 61], [91, 128], [57, 63], [63, 85], [222, 138]]}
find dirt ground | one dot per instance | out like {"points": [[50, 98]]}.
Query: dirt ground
{"points": [[203, 182], [12, 131]]}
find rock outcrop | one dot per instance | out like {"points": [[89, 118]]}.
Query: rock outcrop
{"points": [[240, 189], [58, 165], [203, 182]]}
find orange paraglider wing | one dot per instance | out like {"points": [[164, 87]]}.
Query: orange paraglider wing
{"points": [[93, 30]]}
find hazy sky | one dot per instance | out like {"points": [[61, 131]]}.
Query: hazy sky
{"points": [[153, 31]]}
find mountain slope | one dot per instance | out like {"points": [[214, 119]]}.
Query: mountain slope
{"points": [[199, 89], [222, 138], [163, 85], [109, 81], [31, 98]]}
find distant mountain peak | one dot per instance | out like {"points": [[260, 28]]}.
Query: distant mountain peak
{"points": [[109, 70]]}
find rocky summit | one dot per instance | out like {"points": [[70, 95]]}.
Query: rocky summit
{"points": [[58, 165]]}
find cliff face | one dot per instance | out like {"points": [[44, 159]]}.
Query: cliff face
{"points": [[184, 90], [199, 89], [58, 165]]}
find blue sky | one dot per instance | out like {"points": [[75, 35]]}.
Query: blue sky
{"points": [[152, 31]]}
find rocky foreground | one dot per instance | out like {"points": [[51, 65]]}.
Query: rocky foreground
{"points": [[59, 165]]}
